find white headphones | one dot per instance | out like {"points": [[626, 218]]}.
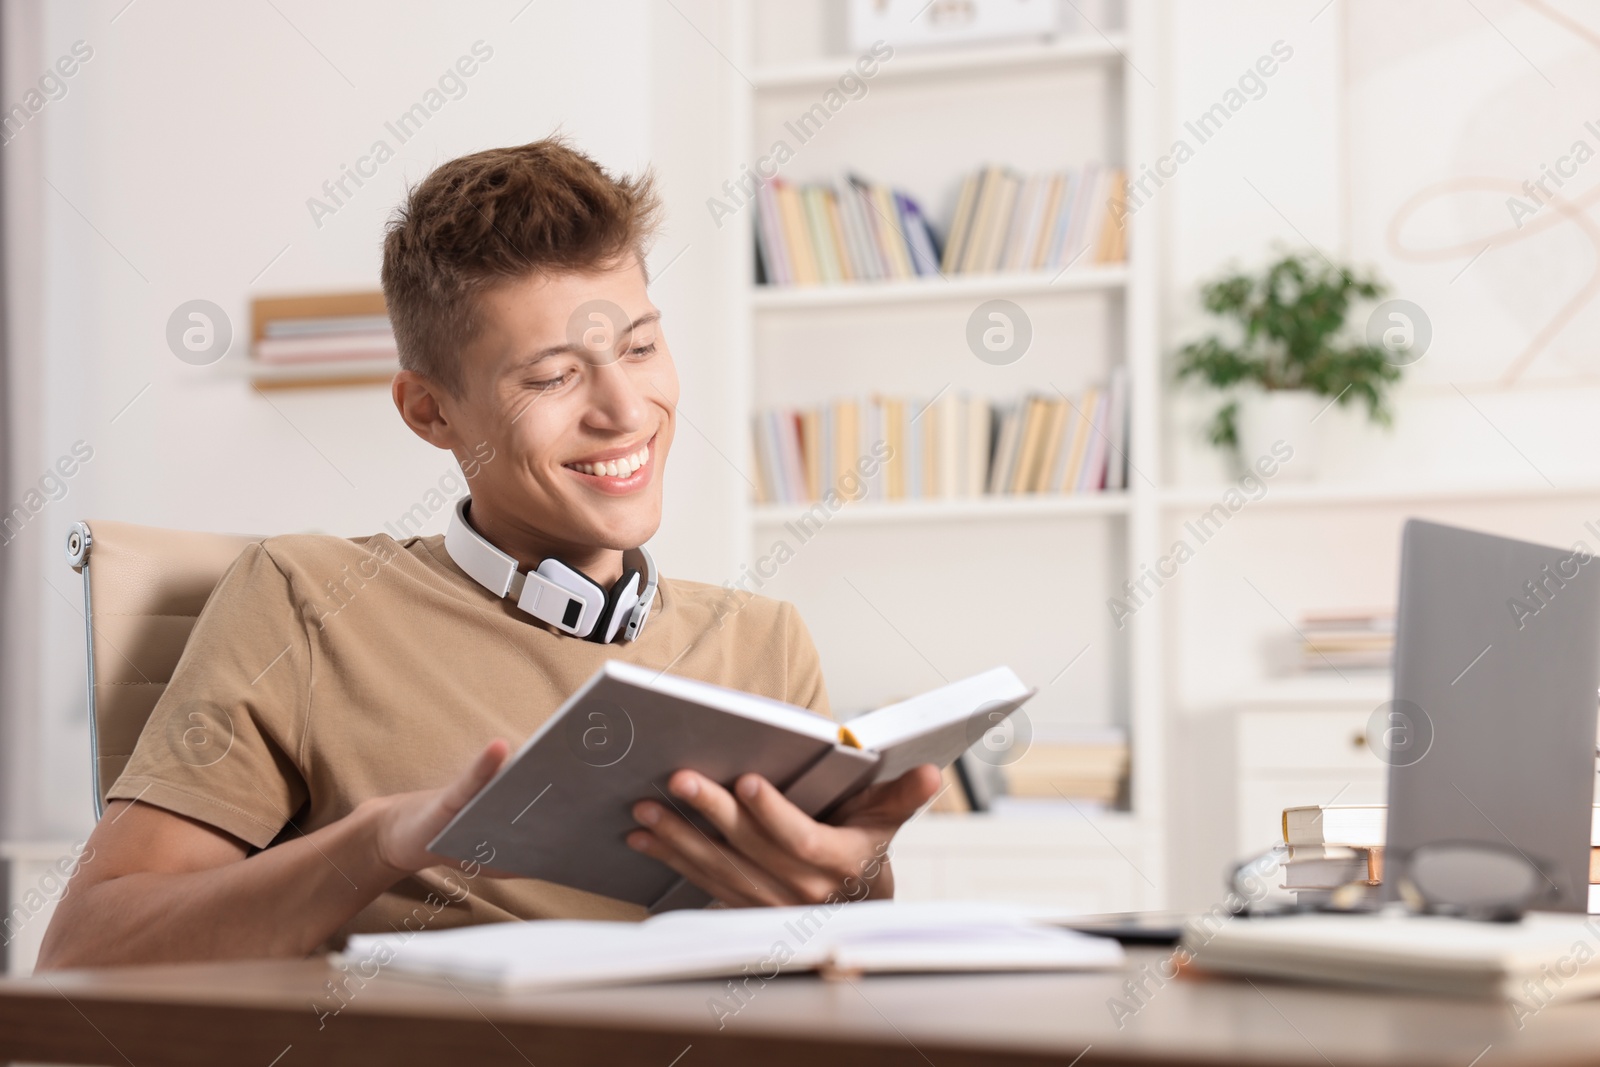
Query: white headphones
{"points": [[564, 597]]}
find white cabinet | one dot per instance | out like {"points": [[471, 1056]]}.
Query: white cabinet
{"points": [[1302, 749], [1289, 743]]}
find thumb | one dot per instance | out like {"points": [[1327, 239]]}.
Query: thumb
{"points": [[475, 777], [898, 800]]}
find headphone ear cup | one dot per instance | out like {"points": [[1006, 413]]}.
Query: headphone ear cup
{"points": [[605, 629], [579, 585]]}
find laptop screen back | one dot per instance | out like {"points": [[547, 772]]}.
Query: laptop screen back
{"points": [[1492, 728]]}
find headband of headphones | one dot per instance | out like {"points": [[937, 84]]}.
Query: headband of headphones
{"points": [[555, 593]]}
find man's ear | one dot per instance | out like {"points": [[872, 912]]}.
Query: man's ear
{"points": [[420, 401]]}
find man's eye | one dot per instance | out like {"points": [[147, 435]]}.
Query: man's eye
{"points": [[546, 384]]}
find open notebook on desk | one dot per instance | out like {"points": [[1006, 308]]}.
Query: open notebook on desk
{"points": [[871, 936]]}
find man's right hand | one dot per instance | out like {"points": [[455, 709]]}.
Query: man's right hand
{"points": [[406, 822], [153, 886]]}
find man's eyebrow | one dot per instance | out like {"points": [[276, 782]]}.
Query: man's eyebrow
{"points": [[568, 346]]}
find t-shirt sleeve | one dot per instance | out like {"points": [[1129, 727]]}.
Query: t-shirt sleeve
{"points": [[222, 744], [805, 684]]}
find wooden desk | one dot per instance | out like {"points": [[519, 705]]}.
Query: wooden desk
{"points": [[261, 1015]]}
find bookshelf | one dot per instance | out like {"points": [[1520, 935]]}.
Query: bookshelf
{"points": [[976, 508], [338, 339], [881, 580], [981, 61], [955, 287]]}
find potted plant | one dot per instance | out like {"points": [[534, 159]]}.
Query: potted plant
{"points": [[1289, 355]]}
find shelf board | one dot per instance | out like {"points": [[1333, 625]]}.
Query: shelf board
{"points": [[1316, 689], [312, 375], [1086, 47], [952, 287], [1329, 494], [980, 508]]}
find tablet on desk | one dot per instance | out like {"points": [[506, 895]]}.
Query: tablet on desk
{"points": [[1132, 927]]}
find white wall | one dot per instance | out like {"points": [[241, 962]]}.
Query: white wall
{"points": [[180, 162], [1383, 106]]}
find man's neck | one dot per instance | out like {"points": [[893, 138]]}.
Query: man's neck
{"points": [[529, 548]]}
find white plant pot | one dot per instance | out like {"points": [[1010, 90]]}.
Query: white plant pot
{"points": [[1279, 425]]}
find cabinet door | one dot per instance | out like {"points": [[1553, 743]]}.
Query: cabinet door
{"points": [[1324, 742]]}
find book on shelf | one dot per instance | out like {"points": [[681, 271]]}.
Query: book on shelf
{"points": [[1347, 639], [1007, 221], [851, 230], [1082, 763], [854, 230], [323, 348], [955, 446], [323, 328]]}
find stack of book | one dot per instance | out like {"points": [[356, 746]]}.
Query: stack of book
{"points": [[328, 328], [1084, 763], [1332, 845], [1347, 640], [955, 446], [1007, 221], [851, 231]]}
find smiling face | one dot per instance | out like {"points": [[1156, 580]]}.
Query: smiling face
{"points": [[565, 416]]}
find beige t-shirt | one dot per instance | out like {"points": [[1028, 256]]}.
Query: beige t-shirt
{"points": [[325, 671]]}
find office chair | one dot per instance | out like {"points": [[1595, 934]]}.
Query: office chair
{"points": [[140, 600]]}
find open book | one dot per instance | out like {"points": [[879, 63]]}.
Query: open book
{"points": [[561, 806], [869, 937]]}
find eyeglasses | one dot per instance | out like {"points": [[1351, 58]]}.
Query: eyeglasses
{"points": [[1476, 880], [1466, 879]]}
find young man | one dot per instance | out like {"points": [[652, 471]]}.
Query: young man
{"points": [[340, 700]]}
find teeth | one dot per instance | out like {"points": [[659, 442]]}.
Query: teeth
{"points": [[615, 468]]}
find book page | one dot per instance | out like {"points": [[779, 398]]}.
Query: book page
{"points": [[939, 725]]}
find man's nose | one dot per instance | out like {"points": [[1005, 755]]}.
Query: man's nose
{"points": [[618, 399]]}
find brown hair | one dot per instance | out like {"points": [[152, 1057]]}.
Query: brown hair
{"points": [[497, 216]]}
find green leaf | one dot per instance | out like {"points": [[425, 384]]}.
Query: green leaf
{"points": [[1289, 328], [1224, 429]]}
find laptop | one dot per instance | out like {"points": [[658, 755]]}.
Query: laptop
{"points": [[1491, 733]]}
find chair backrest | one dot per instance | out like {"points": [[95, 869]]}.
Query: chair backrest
{"points": [[143, 587]]}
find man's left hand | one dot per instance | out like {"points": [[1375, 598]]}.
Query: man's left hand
{"points": [[770, 852]]}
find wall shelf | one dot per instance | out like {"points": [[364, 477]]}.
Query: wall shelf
{"points": [[1341, 494], [987, 508], [311, 375], [949, 287], [1086, 47]]}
